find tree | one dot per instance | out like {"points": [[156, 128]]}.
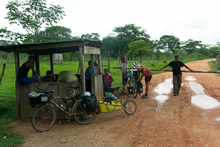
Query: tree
{"points": [[139, 48], [127, 34], [12, 37], [92, 36], [192, 46], [51, 34], [168, 43], [32, 14], [109, 44]]}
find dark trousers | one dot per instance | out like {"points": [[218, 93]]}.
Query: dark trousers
{"points": [[177, 80]]}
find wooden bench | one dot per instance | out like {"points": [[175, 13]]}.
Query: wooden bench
{"points": [[113, 89]]}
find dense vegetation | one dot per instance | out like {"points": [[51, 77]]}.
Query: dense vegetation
{"points": [[129, 39]]}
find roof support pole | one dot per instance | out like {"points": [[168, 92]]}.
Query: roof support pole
{"points": [[92, 75], [18, 100], [51, 63], [99, 63], [82, 68], [37, 63]]}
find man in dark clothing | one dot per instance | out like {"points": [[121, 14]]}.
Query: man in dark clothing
{"points": [[177, 74], [23, 72]]}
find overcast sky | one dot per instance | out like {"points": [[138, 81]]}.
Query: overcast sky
{"points": [[185, 19]]}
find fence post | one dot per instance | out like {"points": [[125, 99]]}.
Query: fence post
{"points": [[109, 62], [218, 62], [124, 66]]}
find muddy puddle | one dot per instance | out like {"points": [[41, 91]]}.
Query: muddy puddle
{"points": [[201, 99], [218, 119], [163, 90]]}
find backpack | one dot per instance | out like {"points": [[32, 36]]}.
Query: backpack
{"points": [[90, 103], [140, 87]]}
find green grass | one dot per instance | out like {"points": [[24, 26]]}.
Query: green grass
{"points": [[213, 66], [7, 91]]}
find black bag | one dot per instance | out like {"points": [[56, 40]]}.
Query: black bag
{"points": [[38, 98], [90, 103], [140, 87], [130, 90]]}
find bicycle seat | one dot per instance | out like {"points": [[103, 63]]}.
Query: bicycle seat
{"points": [[75, 87]]}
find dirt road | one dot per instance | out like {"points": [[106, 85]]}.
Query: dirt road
{"points": [[160, 120]]}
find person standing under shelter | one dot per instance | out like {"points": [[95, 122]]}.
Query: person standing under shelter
{"points": [[177, 74], [23, 72], [146, 72]]}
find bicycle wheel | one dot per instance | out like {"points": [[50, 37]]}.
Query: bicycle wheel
{"points": [[43, 118], [134, 90], [81, 116], [130, 107]]}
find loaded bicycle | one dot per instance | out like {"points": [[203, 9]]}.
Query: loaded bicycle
{"points": [[133, 86], [44, 116]]}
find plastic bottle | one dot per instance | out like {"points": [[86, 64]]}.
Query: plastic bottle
{"points": [[62, 106]]}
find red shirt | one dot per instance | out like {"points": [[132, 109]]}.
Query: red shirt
{"points": [[148, 73]]}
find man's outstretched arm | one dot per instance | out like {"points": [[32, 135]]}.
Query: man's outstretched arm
{"points": [[164, 67], [188, 68]]}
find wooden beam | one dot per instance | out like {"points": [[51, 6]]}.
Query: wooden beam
{"points": [[99, 63], [51, 63], [91, 50], [124, 69], [92, 75], [109, 70], [82, 68], [169, 70], [18, 98], [37, 63], [3, 70]]}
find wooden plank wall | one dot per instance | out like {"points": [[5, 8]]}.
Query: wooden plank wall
{"points": [[61, 89], [99, 86]]}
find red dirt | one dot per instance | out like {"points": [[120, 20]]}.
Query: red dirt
{"points": [[177, 123]]}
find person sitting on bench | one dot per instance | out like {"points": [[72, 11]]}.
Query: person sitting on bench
{"points": [[48, 77], [107, 78], [23, 72]]}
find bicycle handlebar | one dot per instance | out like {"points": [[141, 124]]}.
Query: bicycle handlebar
{"points": [[51, 91]]}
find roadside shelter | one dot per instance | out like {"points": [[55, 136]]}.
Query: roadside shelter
{"points": [[92, 48]]}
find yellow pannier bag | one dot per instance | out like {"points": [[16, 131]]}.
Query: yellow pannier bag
{"points": [[108, 107]]}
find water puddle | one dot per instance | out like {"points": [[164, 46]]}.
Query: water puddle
{"points": [[196, 87], [205, 101], [163, 89], [201, 99], [217, 119], [190, 78]]}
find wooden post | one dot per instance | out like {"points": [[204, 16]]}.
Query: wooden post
{"points": [[124, 69], [92, 75], [37, 63], [18, 100], [109, 62], [102, 63], [99, 63], [51, 63], [3, 70], [218, 62], [119, 57], [82, 68]]}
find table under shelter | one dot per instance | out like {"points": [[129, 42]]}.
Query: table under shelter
{"points": [[85, 47]]}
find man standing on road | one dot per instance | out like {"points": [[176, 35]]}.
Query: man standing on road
{"points": [[177, 74]]}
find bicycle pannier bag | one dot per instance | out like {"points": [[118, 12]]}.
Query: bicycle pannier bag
{"points": [[140, 87], [37, 98], [90, 103]]}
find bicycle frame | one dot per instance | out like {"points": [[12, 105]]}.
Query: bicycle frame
{"points": [[54, 103]]}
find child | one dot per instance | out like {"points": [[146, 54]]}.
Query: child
{"points": [[107, 78]]}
